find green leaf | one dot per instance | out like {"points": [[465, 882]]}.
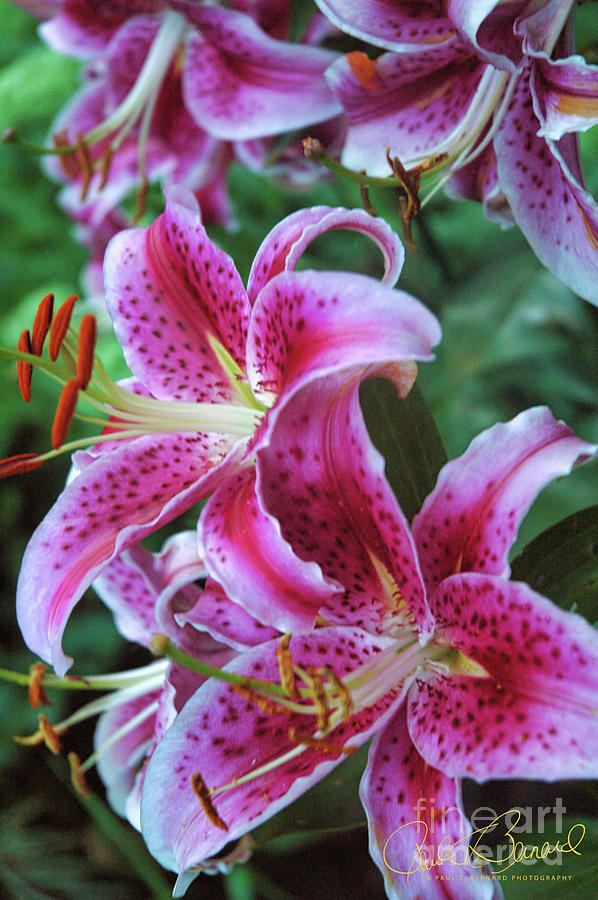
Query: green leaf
{"points": [[405, 434], [562, 563], [569, 876]]}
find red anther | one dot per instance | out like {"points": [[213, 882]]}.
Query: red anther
{"points": [[41, 324], [37, 694], [78, 775], [49, 735], [105, 163], [22, 462], [24, 369], [65, 412], [68, 161], [60, 326], [87, 342], [86, 165], [202, 792]]}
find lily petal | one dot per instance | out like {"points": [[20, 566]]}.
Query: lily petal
{"points": [[246, 553], [170, 290], [566, 91], [125, 591], [470, 520], [113, 503], [284, 245], [239, 83], [557, 216], [308, 324], [386, 24], [411, 103], [534, 711], [334, 506], [224, 736], [224, 620], [415, 816]]}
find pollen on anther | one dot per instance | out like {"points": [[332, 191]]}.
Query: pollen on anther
{"points": [[16, 465], [77, 775], [24, 369], [60, 326], [41, 324], [87, 342], [285, 666], [202, 792], [37, 694], [64, 412]]}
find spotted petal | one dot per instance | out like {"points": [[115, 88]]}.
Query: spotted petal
{"points": [[470, 520], [240, 84], [334, 505], [411, 103], [415, 816], [308, 324], [567, 95], [113, 503], [558, 217], [172, 293], [246, 553], [225, 736], [534, 711], [385, 23], [285, 244]]}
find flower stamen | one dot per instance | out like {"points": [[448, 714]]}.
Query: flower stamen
{"points": [[85, 354], [202, 792], [77, 776], [321, 744], [24, 369], [37, 693], [41, 324], [65, 412], [285, 667], [60, 326]]}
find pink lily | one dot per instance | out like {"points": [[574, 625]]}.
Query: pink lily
{"points": [[488, 96], [214, 366], [149, 595], [455, 669], [168, 85]]}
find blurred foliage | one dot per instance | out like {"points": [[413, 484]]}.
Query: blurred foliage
{"points": [[513, 337]]}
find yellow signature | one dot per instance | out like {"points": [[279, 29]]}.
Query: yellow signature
{"points": [[467, 847]]}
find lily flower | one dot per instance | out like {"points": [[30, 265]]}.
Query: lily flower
{"points": [[487, 98], [457, 671], [213, 367], [168, 85]]}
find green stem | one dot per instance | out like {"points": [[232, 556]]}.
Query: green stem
{"points": [[161, 645]]}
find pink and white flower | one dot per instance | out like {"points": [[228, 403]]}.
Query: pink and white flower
{"points": [[214, 367], [457, 671], [492, 87]]}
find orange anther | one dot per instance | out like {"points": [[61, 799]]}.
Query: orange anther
{"points": [[86, 164], [24, 369], [364, 69], [22, 462], [41, 324], [321, 744], [77, 775], [202, 792], [265, 705], [68, 161], [64, 412], [60, 326], [105, 164], [285, 666], [37, 694], [87, 342], [51, 739]]}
